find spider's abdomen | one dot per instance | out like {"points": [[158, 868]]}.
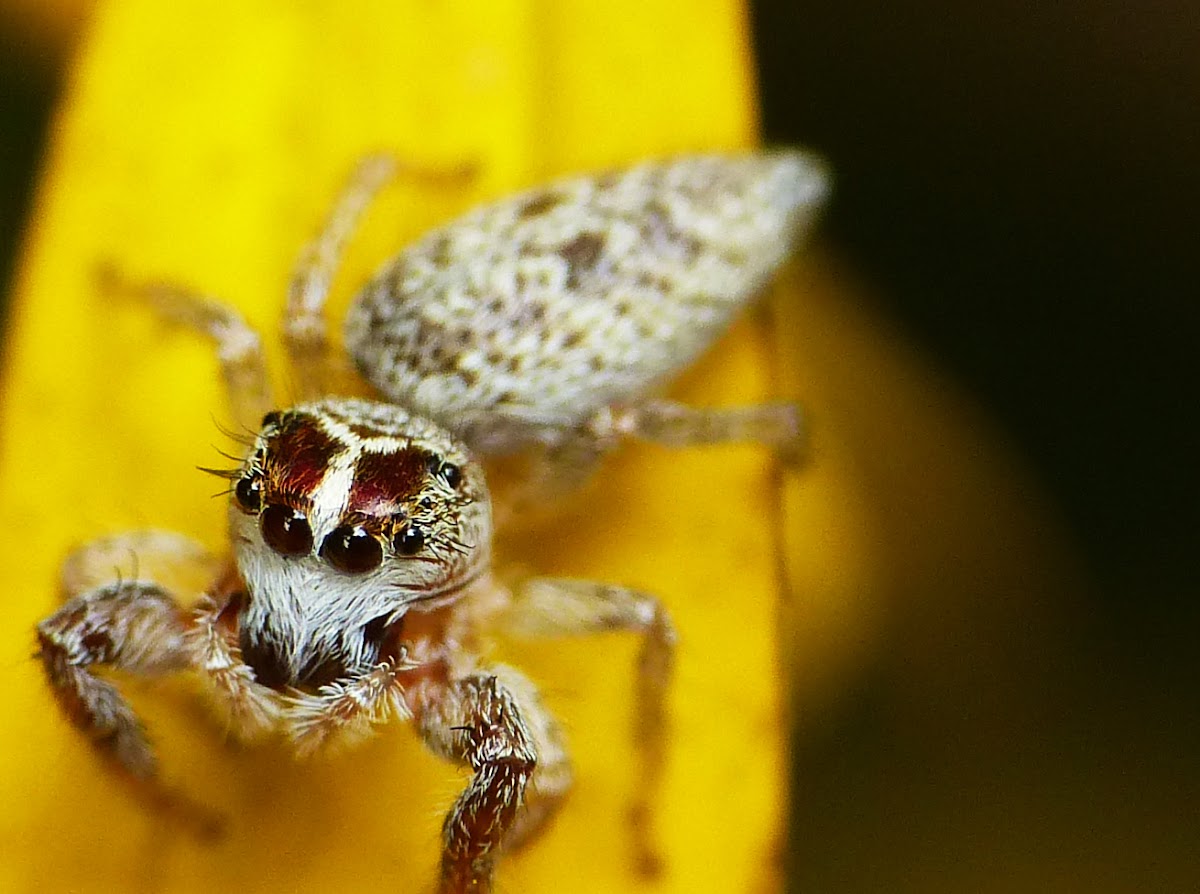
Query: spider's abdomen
{"points": [[586, 293]]}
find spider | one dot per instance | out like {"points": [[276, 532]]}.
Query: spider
{"points": [[359, 585]]}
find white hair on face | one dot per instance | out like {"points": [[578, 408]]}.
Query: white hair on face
{"points": [[302, 613]]}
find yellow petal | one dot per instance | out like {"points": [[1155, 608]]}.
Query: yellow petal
{"points": [[201, 143]]}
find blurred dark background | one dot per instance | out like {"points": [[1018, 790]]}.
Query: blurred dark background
{"points": [[1020, 182], [31, 56], [1025, 179]]}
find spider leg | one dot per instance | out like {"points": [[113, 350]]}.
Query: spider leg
{"points": [[178, 562], [552, 777], [305, 330], [562, 460], [493, 723], [132, 625], [779, 425], [347, 709], [239, 347], [249, 708], [561, 607], [129, 626]]}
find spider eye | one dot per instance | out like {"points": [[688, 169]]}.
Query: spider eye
{"points": [[248, 492], [285, 530], [352, 550], [409, 541], [448, 472], [452, 475]]}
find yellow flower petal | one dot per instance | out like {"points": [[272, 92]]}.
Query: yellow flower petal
{"points": [[201, 143]]}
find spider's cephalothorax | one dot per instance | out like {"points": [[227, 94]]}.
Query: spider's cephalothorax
{"points": [[345, 514]]}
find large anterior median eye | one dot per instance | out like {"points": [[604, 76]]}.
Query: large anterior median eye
{"points": [[352, 550], [285, 530]]}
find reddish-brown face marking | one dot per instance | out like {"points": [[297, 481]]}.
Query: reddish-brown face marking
{"points": [[384, 482], [297, 457]]}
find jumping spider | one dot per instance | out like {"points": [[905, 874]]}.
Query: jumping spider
{"points": [[360, 580]]}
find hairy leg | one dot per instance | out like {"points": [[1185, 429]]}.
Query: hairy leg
{"points": [[560, 607], [119, 613], [250, 709], [305, 331], [135, 627], [348, 709], [777, 425], [239, 348], [558, 462], [552, 777], [130, 626], [480, 721]]}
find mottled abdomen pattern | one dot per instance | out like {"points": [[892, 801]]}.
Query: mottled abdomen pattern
{"points": [[590, 292]]}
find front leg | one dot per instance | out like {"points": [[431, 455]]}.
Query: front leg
{"points": [[132, 626], [476, 720], [120, 614]]}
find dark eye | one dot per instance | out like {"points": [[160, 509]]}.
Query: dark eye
{"points": [[448, 472], [286, 530], [409, 541], [249, 494], [352, 550], [272, 419], [451, 474]]}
